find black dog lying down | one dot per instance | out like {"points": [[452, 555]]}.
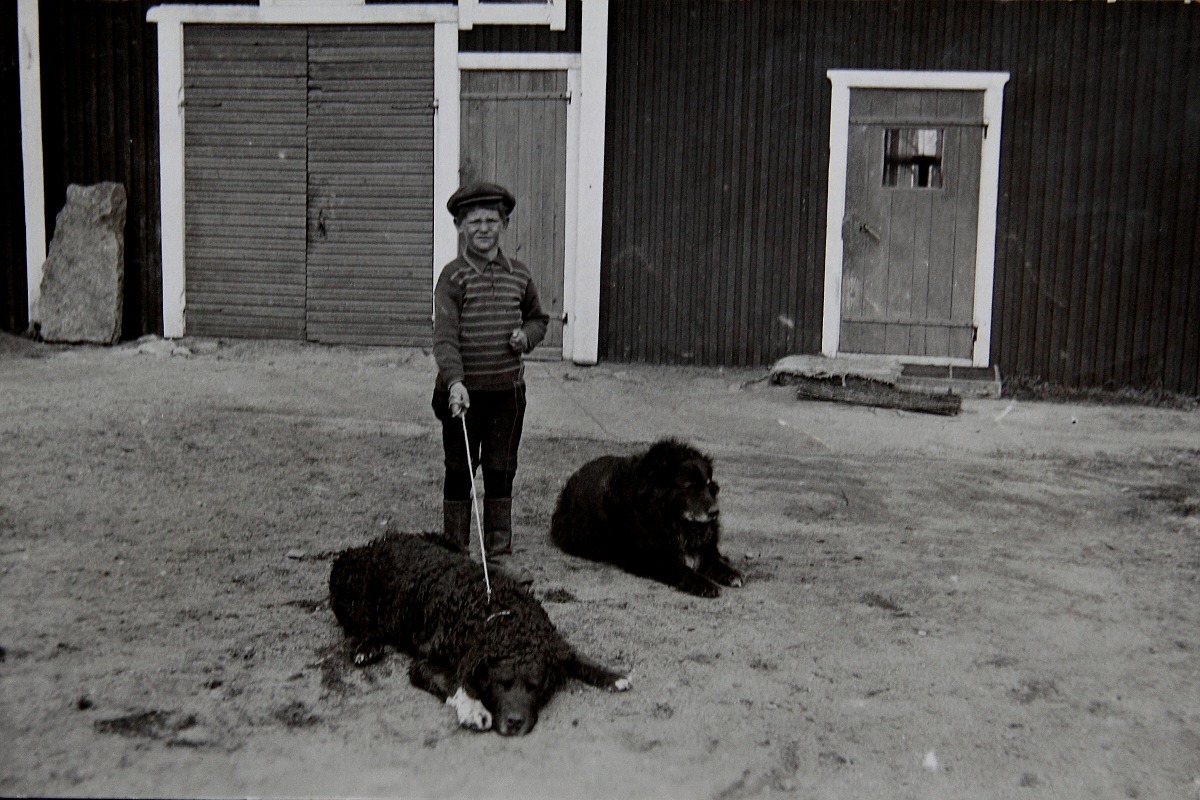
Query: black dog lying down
{"points": [[494, 663], [652, 514]]}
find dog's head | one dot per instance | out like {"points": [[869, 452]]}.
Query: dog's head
{"points": [[680, 478], [514, 688]]}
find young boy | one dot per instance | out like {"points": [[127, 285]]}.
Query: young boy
{"points": [[486, 317]]}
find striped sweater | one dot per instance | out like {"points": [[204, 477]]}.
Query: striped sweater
{"points": [[476, 308]]}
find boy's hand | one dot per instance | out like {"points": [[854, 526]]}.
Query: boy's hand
{"points": [[518, 341], [460, 400]]}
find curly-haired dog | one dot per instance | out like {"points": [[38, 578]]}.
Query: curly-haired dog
{"points": [[496, 662], [653, 514]]}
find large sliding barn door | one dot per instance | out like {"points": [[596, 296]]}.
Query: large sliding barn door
{"points": [[245, 168], [370, 184], [309, 179], [514, 132]]}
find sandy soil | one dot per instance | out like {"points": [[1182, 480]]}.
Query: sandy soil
{"points": [[1003, 604]]}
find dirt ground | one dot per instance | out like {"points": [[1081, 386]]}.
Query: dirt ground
{"points": [[1002, 604]]}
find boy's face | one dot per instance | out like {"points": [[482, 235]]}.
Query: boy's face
{"points": [[482, 228]]}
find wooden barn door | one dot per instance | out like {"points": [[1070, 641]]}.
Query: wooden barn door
{"points": [[309, 182], [514, 132], [370, 184], [910, 228], [245, 172]]}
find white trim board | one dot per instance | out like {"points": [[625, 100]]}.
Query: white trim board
{"points": [[32, 162], [547, 61], [483, 12], [843, 80], [303, 14], [447, 133], [593, 93]]}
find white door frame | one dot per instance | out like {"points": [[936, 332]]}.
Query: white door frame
{"points": [[587, 77], [571, 64], [32, 157], [992, 86]]}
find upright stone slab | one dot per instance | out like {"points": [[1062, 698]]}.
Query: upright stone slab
{"points": [[84, 275]]}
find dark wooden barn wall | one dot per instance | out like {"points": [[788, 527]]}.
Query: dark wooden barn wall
{"points": [[100, 123], [1098, 259], [14, 317], [715, 193], [717, 165]]}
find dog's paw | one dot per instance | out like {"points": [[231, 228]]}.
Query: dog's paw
{"points": [[705, 589], [471, 712], [725, 574], [621, 684], [367, 654]]}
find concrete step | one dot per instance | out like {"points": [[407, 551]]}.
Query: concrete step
{"points": [[939, 379]]}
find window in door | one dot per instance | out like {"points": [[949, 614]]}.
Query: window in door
{"points": [[912, 158]]}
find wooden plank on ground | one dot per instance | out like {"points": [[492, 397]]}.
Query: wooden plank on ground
{"points": [[866, 392]]}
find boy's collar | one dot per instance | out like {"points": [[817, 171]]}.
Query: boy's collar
{"points": [[481, 264]]}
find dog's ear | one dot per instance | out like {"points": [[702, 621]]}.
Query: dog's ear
{"points": [[656, 469], [434, 643], [473, 671]]}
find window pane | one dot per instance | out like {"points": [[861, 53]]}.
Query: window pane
{"points": [[912, 158]]}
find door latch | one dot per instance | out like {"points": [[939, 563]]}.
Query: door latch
{"points": [[867, 230]]}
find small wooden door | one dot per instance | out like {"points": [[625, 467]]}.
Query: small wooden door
{"points": [[514, 132], [910, 228]]}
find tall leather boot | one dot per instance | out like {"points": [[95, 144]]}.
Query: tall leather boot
{"points": [[456, 524], [497, 525]]}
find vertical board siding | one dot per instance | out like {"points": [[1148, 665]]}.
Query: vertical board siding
{"points": [[14, 312], [717, 159], [100, 123], [707, 187]]}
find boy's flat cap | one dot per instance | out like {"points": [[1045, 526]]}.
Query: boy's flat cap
{"points": [[476, 193]]}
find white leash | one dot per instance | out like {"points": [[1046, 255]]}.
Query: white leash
{"points": [[475, 507]]}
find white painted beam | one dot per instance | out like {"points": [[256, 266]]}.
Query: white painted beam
{"points": [[170, 167], [447, 132], [305, 14], [592, 96], [32, 163]]}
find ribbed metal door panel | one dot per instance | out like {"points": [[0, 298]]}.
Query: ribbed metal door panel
{"points": [[245, 173], [370, 184]]}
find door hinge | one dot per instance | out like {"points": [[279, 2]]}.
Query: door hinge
{"points": [[564, 318]]}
